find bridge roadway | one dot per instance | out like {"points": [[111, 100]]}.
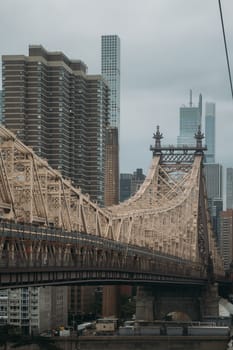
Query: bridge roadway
{"points": [[34, 255]]}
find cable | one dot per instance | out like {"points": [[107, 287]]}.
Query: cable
{"points": [[225, 44]]}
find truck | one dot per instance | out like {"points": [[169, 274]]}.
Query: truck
{"points": [[106, 326]]}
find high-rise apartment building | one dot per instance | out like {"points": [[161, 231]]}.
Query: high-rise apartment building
{"points": [[210, 132], [34, 309], [190, 119], [54, 106], [226, 241], [110, 70], [229, 188]]}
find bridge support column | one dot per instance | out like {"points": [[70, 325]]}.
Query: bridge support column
{"points": [[210, 301], [144, 304]]}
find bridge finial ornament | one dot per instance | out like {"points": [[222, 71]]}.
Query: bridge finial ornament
{"points": [[157, 136], [199, 136]]}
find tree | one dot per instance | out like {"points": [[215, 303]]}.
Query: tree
{"points": [[127, 307]]}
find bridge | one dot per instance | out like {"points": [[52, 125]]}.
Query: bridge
{"points": [[52, 233]]}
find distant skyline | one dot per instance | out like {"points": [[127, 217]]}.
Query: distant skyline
{"points": [[167, 48]]}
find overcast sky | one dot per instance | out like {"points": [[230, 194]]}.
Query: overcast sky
{"points": [[167, 48]]}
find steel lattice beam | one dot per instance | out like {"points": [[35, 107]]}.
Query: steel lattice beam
{"points": [[167, 214]]}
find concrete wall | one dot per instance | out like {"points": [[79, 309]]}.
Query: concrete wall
{"points": [[146, 343], [139, 343]]}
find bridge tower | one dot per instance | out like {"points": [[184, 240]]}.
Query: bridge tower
{"points": [[200, 301]]}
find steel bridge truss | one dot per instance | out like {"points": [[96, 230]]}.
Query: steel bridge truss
{"points": [[168, 214]]}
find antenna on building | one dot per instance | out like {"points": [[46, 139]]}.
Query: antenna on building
{"points": [[190, 98]]}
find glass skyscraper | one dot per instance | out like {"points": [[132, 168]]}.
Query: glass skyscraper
{"points": [[210, 132], [190, 119], [110, 69]]}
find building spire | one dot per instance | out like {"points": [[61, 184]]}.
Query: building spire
{"points": [[199, 136], [157, 136]]}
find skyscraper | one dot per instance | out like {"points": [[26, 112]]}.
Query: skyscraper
{"points": [[229, 188], [110, 70], [226, 241], [210, 132], [112, 168], [214, 183], [190, 119], [54, 106]]}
